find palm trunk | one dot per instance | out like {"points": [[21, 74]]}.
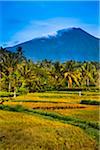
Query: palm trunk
{"points": [[87, 82], [69, 82], [15, 92], [0, 81], [9, 87]]}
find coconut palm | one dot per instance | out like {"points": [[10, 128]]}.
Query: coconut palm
{"points": [[72, 76], [88, 72], [26, 70], [8, 64], [72, 73]]}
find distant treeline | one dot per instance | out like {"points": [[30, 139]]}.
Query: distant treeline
{"points": [[20, 75]]}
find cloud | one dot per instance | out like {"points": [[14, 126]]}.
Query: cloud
{"points": [[39, 28]]}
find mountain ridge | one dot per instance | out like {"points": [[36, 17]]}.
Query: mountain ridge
{"points": [[67, 44]]}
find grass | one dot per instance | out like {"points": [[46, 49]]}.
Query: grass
{"points": [[89, 113], [89, 102], [55, 97], [26, 132], [55, 116], [59, 123], [46, 105]]}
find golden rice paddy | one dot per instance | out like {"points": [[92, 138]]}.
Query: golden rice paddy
{"points": [[22, 131]]}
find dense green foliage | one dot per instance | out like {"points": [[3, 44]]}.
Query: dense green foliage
{"points": [[89, 102], [20, 75]]}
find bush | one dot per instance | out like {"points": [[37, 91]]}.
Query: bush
{"points": [[17, 108], [23, 90], [90, 102], [6, 94]]}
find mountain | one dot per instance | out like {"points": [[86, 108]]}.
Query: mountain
{"points": [[67, 44]]}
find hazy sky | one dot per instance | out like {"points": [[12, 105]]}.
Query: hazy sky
{"points": [[22, 21]]}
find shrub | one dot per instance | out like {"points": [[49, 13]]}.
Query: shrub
{"points": [[23, 90], [17, 108], [90, 102], [7, 94]]}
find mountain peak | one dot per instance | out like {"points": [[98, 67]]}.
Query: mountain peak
{"points": [[71, 29], [68, 44]]}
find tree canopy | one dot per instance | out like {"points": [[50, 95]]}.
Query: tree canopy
{"points": [[18, 74]]}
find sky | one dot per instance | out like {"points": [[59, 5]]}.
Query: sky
{"points": [[21, 21]]}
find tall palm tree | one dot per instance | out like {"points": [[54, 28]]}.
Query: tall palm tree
{"points": [[8, 63], [88, 71], [26, 70], [72, 73], [72, 76]]}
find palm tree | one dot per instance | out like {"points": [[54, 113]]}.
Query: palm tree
{"points": [[27, 71], [88, 72], [8, 63], [72, 76], [72, 73], [5, 64]]}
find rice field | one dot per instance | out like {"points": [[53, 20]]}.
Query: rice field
{"points": [[24, 132], [50, 121]]}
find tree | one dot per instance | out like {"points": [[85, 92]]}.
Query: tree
{"points": [[26, 71], [18, 74], [72, 73], [8, 63], [88, 71]]}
